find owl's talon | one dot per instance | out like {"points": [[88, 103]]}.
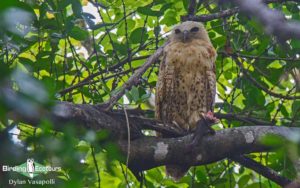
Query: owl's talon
{"points": [[175, 123], [203, 129], [210, 118]]}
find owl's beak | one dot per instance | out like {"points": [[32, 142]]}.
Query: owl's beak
{"points": [[185, 35]]}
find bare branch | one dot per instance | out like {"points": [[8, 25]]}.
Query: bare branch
{"points": [[89, 79], [272, 58], [149, 152], [192, 7], [134, 79], [224, 13], [260, 169], [258, 85], [209, 17], [272, 20]]}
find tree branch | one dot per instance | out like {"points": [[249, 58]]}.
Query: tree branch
{"points": [[271, 58], [224, 13], [209, 17], [258, 85], [89, 79], [192, 7], [149, 152], [260, 169], [134, 79], [272, 20]]}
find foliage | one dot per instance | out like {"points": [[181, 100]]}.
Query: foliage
{"points": [[57, 50]]}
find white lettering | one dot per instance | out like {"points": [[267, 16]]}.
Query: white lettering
{"points": [[4, 168]]}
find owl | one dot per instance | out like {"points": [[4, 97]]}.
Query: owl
{"points": [[30, 167], [186, 85]]}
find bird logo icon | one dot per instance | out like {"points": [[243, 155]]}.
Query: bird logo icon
{"points": [[30, 167]]}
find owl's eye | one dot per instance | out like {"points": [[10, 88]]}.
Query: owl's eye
{"points": [[177, 31], [195, 29]]}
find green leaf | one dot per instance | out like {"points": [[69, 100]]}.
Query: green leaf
{"points": [[70, 22], [157, 30], [220, 181], [138, 35], [77, 8], [146, 10], [257, 185], [170, 18], [295, 44], [295, 107], [78, 33], [121, 48], [244, 180], [135, 93]]}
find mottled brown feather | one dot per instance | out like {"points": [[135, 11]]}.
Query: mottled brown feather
{"points": [[186, 85]]}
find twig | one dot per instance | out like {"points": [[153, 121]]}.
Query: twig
{"points": [[150, 124], [88, 79], [257, 57], [107, 31], [193, 177], [124, 173], [260, 169], [138, 116], [96, 165], [126, 36], [242, 118], [128, 143], [134, 79], [209, 17], [192, 7], [258, 85]]}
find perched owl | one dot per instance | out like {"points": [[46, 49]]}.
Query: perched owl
{"points": [[186, 85]]}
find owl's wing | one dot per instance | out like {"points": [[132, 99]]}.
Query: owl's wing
{"points": [[211, 79], [160, 89]]}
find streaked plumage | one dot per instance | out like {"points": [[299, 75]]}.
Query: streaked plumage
{"points": [[186, 85]]}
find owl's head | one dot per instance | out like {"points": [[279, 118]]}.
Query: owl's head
{"points": [[189, 30]]}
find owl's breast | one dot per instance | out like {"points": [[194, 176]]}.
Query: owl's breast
{"points": [[191, 55]]}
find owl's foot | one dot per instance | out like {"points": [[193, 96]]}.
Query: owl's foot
{"points": [[210, 118], [203, 128], [204, 125]]}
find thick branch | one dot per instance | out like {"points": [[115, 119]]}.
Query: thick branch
{"points": [[150, 152], [272, 20], [82, 115], [223, 14]]}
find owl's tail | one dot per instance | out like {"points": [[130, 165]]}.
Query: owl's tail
{"points": [[176, 172]]}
